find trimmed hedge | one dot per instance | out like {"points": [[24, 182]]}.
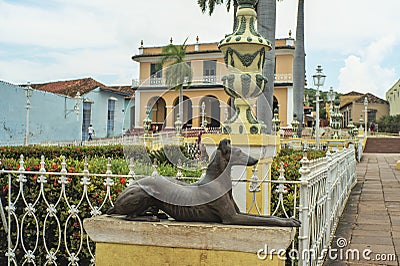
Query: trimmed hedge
{"points": [[389, 124], [76, 152]]}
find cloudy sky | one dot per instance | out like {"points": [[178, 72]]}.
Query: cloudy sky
{"points": [[357, 42]]}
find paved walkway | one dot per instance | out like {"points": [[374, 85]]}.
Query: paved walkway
{"points": [[371, 220]]}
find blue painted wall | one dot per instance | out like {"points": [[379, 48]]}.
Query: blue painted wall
{"points": [[99, 99], [48, 122], [47, 117]]}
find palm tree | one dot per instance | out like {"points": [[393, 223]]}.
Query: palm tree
{"points": [[210, 6], [178, 73], [266, 24], [299, 66]]}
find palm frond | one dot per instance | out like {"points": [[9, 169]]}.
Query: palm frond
{"points": [[202, 4], [178, 73]]}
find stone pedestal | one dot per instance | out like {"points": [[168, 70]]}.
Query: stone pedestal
{"points": [[336, 144], [120, 242], [261, 147]]}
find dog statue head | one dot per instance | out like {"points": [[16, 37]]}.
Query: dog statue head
{"points": [[234, 155]]}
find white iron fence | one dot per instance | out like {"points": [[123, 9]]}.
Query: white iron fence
{"points": [[325, 186], [49, 207]]}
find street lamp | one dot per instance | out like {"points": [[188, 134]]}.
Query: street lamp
{"points": [[319, 80], [366, 116], [28, 93], [203, 115], [331, 98], [78, 101]]}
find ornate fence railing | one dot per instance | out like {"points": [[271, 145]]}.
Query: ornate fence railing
{"points": [[49, 207], [325, 186]]}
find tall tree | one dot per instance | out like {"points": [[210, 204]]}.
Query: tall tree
{"points": [[266, 24], [210, 5], [299, 66], [177, 72]]}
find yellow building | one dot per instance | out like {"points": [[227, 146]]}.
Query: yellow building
{"points": [[352, 107], [208, 67], [393, 97]]}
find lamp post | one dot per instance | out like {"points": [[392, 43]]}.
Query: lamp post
{"points": [[78, 101], [295, 126], [203, 116], [319, 80], [331, 98], [366, 116], [28, 93]]}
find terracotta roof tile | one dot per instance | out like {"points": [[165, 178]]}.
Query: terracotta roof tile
{"points": [[125, 89], [71, 87], [371, 99]]}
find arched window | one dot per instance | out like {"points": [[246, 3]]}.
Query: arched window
{"points": [[187, 111], [212, 110], [157, 111]]}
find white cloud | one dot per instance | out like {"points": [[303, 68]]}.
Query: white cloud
{"points": [[365, 71], [93, 37]]}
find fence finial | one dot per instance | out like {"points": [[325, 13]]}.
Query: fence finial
{"points": [[63, 165], [281, 187], [131, 173], [42, 164], [305, 166], [21, 163], [155, 166], [108, 172], [63, 178], [85, 166], [179, 166], [254, 186], [85, 179]]}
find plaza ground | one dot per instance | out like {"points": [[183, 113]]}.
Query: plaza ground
{"points": [[371, 219]]}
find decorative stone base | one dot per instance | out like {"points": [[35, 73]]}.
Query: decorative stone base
{"points": [[120, 242], [261, 147], [336, 144], [244, 122]]}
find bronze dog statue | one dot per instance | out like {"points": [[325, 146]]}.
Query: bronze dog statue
{"points": [[208, 200]]}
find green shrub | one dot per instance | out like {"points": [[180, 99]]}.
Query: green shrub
{"points": [[291, 163], [76, 152], [390, 124]]}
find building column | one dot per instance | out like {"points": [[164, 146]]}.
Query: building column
{"points": [[138, 121], [223, 109], [289, 106], [196, 112], [169, 123]]}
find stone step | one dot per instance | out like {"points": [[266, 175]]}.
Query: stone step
{"points": [[382, 145]]}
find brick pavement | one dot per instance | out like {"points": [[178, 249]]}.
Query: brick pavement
{"points": [[371, 219]]}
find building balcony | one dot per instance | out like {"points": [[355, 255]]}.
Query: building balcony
{"points": [[200, 80], [204, 80], [284, 78]]}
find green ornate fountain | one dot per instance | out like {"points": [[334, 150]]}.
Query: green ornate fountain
{"points": [[244, 54], [337, 118]]}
